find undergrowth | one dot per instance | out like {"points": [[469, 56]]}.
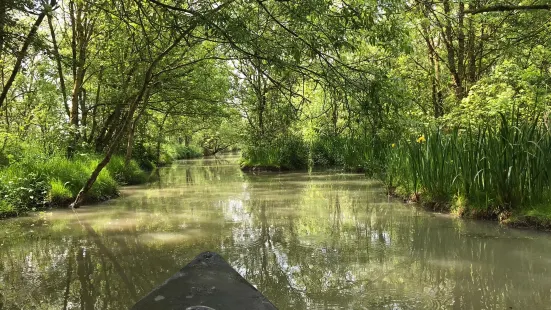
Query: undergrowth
{"points": [[37, 182], [485, 172]]}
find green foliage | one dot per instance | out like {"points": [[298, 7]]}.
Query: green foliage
{"points": [[130, 174], [187, 152], [286, 152], [350, 153], [7, 209], [35, 182], [495, 169], [22, 188], [59, 194]]}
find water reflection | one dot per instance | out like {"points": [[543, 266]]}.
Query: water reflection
{"points": [[321, 240]]}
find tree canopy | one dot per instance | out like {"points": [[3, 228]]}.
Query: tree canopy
{"points": [[138, 77]]}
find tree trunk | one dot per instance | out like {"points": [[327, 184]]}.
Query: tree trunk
{"points": [[160, 136], [3, 10], [132, 131], [95, 108], [84, 113], [75, 65], [110, 151], [471, 50], [107, 129], [461, 47], [59, 66], [448, 41], [23, 52], [132, 109], [79, 44]]}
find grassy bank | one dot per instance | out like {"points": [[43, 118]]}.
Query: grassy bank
{"points": [[292, 152], [36, 182], [499, 172], [172, 152]]}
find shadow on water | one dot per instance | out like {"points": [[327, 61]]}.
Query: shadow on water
{"points": [[320, 240]]}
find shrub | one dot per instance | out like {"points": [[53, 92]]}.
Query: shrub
{"points": [[7, 209], [187, 152], [104, 188], [346, 152], [22, 187], [286, 152]]}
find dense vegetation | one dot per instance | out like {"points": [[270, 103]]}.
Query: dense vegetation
{"points": [[447, 102]]}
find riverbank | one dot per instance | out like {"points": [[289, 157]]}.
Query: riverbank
{"points": [[536, 217], [37, 183]]}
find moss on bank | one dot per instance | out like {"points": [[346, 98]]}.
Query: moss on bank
{"points": [[37, 183]]}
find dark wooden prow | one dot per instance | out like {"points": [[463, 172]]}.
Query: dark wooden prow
{"points": [[207, 282]]}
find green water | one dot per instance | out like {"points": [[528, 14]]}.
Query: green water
{"points": [[307, 241]]}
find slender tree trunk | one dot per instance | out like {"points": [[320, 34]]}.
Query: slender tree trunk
{"points": [[59, 66], [79, 45], [110, 151], [448, 41], [84, 113], [471, 50], [123, 127], [23, 52], [461, 44], [76, 67], [439, 95], [132, 131], [107, 129], [95, 108], [3, 9], [160, 136]]}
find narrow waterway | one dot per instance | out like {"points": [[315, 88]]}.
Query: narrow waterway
{"points": [[322, 240]]}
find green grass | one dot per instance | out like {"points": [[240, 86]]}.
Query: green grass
{"points": [[59, 194], [286, 153], [126, 174], [187, 152], [537, 216], [36, 182], [292, 152], [350, 153], [496, 169]]}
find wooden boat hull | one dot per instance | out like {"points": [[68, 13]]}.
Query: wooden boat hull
{"points": [[207, 282]]}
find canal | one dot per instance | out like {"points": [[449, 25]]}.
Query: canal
{"points": [[319, 240]]}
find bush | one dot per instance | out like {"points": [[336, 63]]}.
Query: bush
{"points": [[336, 151], [187, 152], [104, 188], [7, 209], [23, 188], [286, 152], [36, 182]]}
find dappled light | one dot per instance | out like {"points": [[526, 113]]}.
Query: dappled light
{"points": [[329, 241], [358, 154]]}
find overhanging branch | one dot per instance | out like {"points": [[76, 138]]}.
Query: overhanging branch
{"points": [[506, 8]]}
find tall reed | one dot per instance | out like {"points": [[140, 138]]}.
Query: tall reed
{"points": [[500, 167]]}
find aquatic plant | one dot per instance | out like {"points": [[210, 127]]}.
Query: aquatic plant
{"points": [[495, 168]]}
